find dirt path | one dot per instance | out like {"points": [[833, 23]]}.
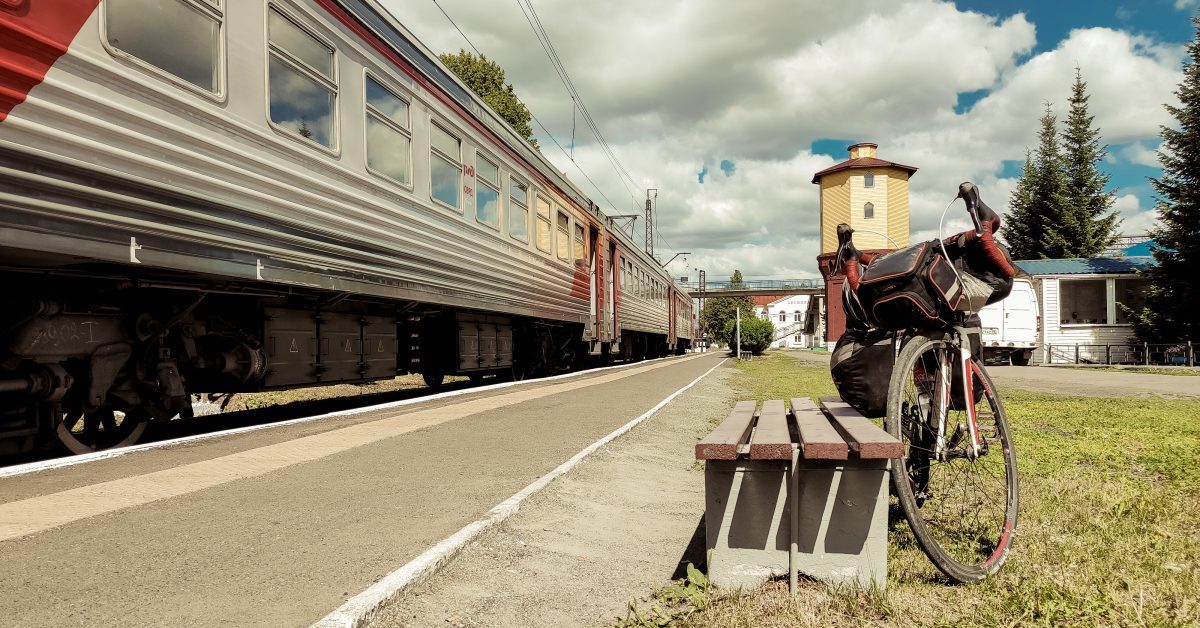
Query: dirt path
{"points": [[577, 553]]}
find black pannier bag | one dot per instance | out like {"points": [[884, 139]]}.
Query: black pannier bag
{"points": [[861, 366], [910, 288]]}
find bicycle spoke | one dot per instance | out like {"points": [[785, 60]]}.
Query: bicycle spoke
{"points": [[961, 500]]}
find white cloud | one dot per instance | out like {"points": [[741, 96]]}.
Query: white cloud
{"points": [[1141, 153], [677, 85], [1135, 220]]}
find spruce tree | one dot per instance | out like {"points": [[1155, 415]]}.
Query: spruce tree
{"points": [[1022, 227], [1172, 306], [1087, 199], [1042, 223]]}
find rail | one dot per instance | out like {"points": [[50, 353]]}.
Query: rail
{"points": [[766, 284], [1160, 354], [764, 287]]}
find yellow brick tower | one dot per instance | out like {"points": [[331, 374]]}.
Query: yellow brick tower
{"points": [[869, 194]]}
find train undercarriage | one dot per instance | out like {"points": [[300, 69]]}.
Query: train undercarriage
{"points": [[89, 358]]}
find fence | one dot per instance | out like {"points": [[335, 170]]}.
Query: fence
{"points": [[1173, 354]]}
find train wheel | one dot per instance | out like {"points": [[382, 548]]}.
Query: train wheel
{"points": [[433, 379], [95, 431]]}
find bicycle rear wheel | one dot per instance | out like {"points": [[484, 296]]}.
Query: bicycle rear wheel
{"points": [[963, 512]]}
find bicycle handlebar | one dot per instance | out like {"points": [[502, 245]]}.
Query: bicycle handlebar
{"points": [[979, 211]]}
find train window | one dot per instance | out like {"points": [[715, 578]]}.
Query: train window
{"points": [[487, 191], [580, 242], [543, 224], [389, 142], [179, 37], [564, 237], [518, 210], [303, 86], [869, 210], [445, 167]]}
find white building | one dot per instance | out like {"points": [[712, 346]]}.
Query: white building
{"points": [[1081, 307], [788, 314]]}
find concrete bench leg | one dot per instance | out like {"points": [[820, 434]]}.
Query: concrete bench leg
{"points": [[840, 533]]}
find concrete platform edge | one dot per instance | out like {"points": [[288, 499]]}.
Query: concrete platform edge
{"points": [[360, 609]]}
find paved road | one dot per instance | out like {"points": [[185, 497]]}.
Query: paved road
{"points": [[1070, 381], [1095, 383], [278, 527]]}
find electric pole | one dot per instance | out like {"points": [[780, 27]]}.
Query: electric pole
{"points": [[650, 222]]}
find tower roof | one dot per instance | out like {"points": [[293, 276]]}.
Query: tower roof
{"points": [[861, 163]]}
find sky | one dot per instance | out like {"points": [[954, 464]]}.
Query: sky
{"points": [[728, 108]]}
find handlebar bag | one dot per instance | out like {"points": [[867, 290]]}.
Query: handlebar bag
{"points": [[910, 288], [861, 366]]}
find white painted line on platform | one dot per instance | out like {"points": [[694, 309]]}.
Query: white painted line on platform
{"points": [[358, 610], [70, 461]]}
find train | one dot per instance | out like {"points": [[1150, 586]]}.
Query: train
{"points": [[213, 197]]}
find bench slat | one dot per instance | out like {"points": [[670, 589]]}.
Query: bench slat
{"points": [[771, 440], [865, 438], [722, 443], [819, 440]]}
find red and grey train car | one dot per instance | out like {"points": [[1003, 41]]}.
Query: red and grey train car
{"points": [[217, 196]]}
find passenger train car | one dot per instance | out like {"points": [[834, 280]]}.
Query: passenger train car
{"points": [[218, 196]]}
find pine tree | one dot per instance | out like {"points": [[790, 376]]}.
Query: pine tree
{"points": [[1087, 199], [1022, 227], [1172, 306]]}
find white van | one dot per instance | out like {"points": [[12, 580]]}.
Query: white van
{"points": [[1010, 327]]}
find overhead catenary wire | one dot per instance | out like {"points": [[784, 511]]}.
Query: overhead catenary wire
{"points": [[565, 77], [531, 114]]}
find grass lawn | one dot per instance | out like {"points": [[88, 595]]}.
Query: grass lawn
{"points": [[1108, 532]]}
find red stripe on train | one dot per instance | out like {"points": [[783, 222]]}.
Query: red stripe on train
{"points": [[34, 35]]}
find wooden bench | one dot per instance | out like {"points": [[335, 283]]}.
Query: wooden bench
{"points": [[796, 491]]}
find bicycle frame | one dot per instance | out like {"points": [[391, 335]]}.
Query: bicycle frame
{"points": [[944, 392]]}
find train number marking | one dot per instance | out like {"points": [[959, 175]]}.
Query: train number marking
{"points": [[295, 348], [468, 190], [469, 171]]}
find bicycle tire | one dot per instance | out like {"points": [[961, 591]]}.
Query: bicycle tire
{"points": [[907, 473]]}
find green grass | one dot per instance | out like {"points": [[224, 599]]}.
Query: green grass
{"points": [[1108, 531]]}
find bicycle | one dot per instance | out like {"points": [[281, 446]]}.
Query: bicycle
{"points": [[957, 480]]}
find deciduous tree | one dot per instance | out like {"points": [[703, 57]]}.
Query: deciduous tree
{"points": [[486, 78], [720, 310]]}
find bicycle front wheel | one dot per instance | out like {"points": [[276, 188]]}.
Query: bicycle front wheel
{"points": [[962, 511]]}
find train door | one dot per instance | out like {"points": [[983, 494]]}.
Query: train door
{"points": [[672, 304], [596, 272], [614, 293]]}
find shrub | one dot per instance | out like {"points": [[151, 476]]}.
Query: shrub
{"points": [[756, 334]]}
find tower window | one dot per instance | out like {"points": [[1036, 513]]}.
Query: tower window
{"points": [[869, 210], [869, 180]]}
